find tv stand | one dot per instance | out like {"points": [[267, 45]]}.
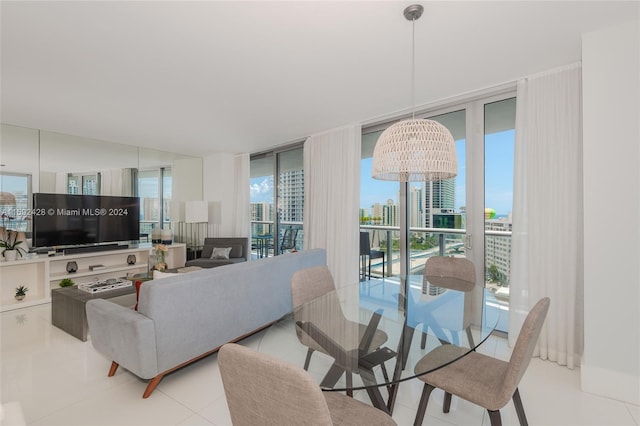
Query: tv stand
{"points": [[43, 273], [93, 249]]}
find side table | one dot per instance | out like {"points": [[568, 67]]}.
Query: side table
{"points": [[68, 307]]}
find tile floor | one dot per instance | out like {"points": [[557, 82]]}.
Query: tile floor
{"points": [[59, 380]]}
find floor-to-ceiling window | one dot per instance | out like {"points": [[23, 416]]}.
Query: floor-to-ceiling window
{"points": [[153, 187], [499, 144], [447, 217], [277, 204]]}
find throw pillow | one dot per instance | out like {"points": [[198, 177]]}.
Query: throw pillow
{"points": [[220, 253]]}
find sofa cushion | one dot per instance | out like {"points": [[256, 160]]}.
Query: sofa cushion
{"points": [[236, 251], [156, 276], [220, 253]]}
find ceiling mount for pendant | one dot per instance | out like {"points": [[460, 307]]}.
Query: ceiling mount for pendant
{"points": [[413, 12], [415, 149]]}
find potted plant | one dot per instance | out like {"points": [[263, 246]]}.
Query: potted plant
{"points": [[66, 282], [21, 292], [11, 246]]}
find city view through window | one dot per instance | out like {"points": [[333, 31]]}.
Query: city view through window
{"points": [[437, 211]]}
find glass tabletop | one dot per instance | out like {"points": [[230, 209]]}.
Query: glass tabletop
{"points": [[376, 335]]}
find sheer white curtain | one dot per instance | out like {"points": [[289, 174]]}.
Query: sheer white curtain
{"points": [[331, 187], [547, 254], [116, 182], [242, 215]]}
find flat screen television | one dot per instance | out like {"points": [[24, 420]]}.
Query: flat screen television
{"points": [[69, 220]]}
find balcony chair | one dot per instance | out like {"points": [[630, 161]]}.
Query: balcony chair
{"points": [[288, 240], [481, 379], [366, 254], [262, 390]]}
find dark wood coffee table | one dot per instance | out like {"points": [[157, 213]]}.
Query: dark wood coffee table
{"points": [[68, 307]]}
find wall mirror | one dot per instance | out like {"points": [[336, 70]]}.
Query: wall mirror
{"points": [[41, 161]]}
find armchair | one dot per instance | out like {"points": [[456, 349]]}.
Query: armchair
{"points": [[239, 250]]}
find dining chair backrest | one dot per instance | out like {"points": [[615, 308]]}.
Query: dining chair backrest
{"points": [[311, 283], [262, 390], [456, 273], [524, 347]]}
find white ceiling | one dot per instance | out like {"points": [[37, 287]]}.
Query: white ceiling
{"points": [[204, 77]]}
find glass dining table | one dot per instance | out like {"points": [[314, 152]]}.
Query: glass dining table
{"points": [[374, 338]]}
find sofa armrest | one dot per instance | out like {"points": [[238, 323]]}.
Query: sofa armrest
{"points": [[124, 336]]}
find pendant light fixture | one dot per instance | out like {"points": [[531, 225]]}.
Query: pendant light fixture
{"points": [[415, 149]]}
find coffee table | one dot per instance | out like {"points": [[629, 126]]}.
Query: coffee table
{"points": [[68, 307]]}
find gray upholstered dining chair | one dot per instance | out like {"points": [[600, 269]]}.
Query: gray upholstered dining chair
{"points": [[455, 273], [481, 379], [262, 390], [312, 283]]}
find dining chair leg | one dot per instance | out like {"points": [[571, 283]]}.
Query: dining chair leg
{"points": [[422, 406], [494, 416], [423, 341], [349, 384], [470, 338], [308, 359], [522, 418], [446, 404]]}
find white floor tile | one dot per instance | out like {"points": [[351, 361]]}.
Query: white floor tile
{"points": [[59, 380]]}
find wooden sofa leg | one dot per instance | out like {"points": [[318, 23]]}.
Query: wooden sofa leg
{"points": [[114, 367], [152, 385]]}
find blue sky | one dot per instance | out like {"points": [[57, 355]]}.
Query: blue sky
{"points": [[498, 178]]}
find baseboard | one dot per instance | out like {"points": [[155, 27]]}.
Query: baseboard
{"points": [[610, 384]]}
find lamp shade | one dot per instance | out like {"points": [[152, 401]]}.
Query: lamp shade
{"points": [[215, 212], [415, 150], [196, 212]]}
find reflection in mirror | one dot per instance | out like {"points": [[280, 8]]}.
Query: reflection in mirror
{"points": [[58, 163], [76, 165], [154, 183]]}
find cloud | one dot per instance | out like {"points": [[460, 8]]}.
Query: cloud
{"points": [[262, 187]]}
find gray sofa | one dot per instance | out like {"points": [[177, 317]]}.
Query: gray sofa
{"points": [[183, 318], [239, 252]]}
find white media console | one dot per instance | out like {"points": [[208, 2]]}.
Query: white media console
{"points": [[43, 273]]}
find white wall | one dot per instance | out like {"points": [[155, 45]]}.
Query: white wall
{"points": [[186, 177], [611, 116], [218, 184]]}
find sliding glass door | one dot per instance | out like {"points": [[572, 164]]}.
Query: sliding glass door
{"points": [[466, 216], [277, 204]]}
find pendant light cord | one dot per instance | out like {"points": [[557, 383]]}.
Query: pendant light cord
{"points": [[413, 69]]}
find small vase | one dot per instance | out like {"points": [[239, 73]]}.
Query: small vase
{"points": [[10, 255], [20, 297]]}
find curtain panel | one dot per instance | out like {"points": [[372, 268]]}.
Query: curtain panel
{"points": [[242, 216], [547, 249], [332, 192]]}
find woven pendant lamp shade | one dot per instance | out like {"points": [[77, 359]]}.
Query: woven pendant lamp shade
{"points": [[415, 150]]}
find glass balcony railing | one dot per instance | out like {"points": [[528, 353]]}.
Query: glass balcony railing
{"points": [[263, 243]]}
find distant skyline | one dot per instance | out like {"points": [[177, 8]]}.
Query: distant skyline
{"points": [[499, 160]]}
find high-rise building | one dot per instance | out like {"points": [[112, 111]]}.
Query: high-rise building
{"points": [[439, 197], [261, 212], [497, 248], [291, 196], [390, 214], [416, 210]]}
